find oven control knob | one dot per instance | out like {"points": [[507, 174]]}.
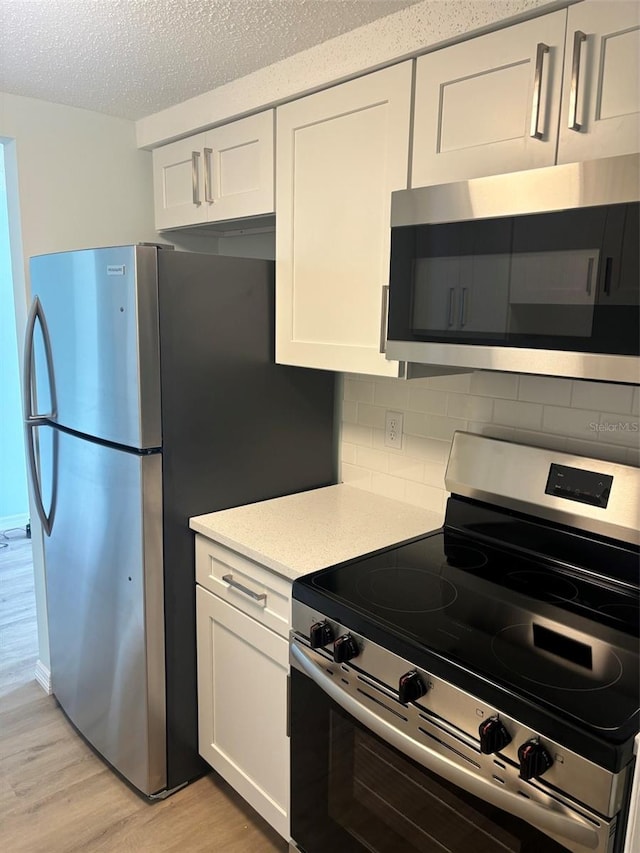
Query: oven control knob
{"points": [[345, 648], [410, 687], [534, 759], [320, 634], [493, 736]]}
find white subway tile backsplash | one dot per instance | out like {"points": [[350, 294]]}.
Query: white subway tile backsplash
{"points": [[348, 453], [390, 487], [356, 434], [391, 394], [430, 449], [374, 460], [503, 385], [518, 414], [424, 496], [619, 429], [444, 428], [469, 407], [602, 396], [359, 392], [428, 400], [371, 416], [434, 474], [545, 389], [355, 476], [407, 467], [580, 423], [350, 411], [592, 419], [597, 449]]}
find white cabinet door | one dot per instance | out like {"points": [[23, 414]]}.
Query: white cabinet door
{"points": [[340, 154], [601, 89], [489, 105], [242, 706], [238, 164], [223, 174], [178, 183]]}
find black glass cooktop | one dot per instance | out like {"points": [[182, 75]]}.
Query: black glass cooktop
{"points": [[561, 636]]}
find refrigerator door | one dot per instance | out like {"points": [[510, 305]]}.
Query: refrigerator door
{"points": [[100, 307], [104, 574]]}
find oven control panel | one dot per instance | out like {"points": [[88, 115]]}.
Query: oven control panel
{"points": [[576, 484]]}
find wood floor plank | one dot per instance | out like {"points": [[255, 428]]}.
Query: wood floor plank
{"points": [[58, 796]]}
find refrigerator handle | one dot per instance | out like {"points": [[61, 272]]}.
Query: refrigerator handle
{"points": [[36, 314]]}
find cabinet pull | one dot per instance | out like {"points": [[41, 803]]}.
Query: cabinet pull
{"points": [[384, 318], [195, 177], [256, 596], [537, 90], [578, 38], [608, 268], [207, 176], [463, 307], [451, 301]]}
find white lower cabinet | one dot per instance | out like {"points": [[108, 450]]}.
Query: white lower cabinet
{"points": [[243, 670]]}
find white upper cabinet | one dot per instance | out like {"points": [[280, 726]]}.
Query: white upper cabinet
{"points": [[601, 90], [489, 105], [340, 154], [221, 174]]}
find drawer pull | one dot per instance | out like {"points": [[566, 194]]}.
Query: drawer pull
{"points": [[256, 596]]}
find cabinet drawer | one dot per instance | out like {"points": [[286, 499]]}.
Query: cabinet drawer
{"points": [[247, 585]]}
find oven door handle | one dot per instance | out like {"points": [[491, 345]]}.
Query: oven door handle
{"points": [[572, 828]]}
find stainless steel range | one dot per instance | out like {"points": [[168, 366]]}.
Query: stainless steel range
{"points": [[476, 689]]}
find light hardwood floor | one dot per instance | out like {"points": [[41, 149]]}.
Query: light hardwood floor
{"points": [[57, 796]]}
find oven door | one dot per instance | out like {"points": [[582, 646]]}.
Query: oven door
{"points": [[353, 790]]}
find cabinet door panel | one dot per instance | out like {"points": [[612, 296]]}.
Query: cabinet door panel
{"points": [[341, 152], [173, 189], [242, 706], [474, 103], [241, 168], [608, 94]]}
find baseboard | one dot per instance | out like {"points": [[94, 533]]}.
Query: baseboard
{"points": [[9, 522], [43, 677]]}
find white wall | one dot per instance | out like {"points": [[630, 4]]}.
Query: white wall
{"points": [[588, 418], [75, 179]]}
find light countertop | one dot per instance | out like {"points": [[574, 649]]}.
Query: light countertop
{"points": [[297, 534]]}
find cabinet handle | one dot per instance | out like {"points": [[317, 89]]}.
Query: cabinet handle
{"points": [[384, 318], [256, 596], [589, 275], [578, 38], [207, 176], [195, 177], [451, 301], [463, 307], [537, 90], [608, 268]]}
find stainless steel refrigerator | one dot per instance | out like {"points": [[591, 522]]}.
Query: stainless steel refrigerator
{"points": [[151, 396]]}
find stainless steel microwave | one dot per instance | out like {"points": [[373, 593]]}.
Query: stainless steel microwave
{"points": [[532, 272]]}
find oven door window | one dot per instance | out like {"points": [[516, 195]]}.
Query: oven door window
{"points": [[561, 281], [351, 792]]}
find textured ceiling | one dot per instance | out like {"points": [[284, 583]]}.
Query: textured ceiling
{"points": [[131, 58]]}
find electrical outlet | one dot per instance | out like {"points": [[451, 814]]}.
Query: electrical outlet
{"points": [[393, 429]]}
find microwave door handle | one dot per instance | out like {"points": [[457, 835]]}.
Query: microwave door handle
{"points": [[573, 828], [452, 295], [384, 318], [535, 132], [578, 38]]}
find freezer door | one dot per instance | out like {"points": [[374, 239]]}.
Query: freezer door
{"points": [[101, 310], [104, 574]]}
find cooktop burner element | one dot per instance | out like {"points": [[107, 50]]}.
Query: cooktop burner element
{"points": [[563, 662], [545, 585], [406, 590]]}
